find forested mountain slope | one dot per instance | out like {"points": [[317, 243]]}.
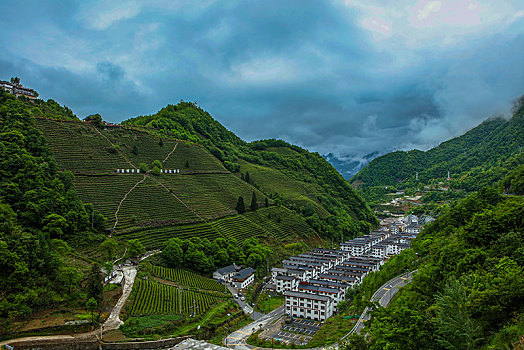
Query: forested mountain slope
{"points": [[39, 211], [479, 158], [468, 292]]}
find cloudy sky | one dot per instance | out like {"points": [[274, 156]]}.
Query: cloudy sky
{"points": [[342, 77]]}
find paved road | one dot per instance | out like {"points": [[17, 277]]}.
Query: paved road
{"points": [[383, 295], [113, 321], [237, 339]]}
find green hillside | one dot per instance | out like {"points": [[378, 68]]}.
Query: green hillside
{"points": [[294, 178], [479, 158], [468, 292], [199, 201]]}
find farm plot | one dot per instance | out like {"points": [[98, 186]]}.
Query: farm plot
{"points": [[104, 192], [150, 204], [187, 278], [80, 148], [239, 227], [273, 180], [156, 237], [211, 195], [152, 298], [281, 222]]}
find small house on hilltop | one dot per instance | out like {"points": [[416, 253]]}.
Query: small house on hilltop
{"points": [[244, 278], [14, 87]]}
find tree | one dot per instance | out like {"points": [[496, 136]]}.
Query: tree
{"points": [[135, 248], [266, 202], [355, 342], [187, 163], [91, 305], [55, 224], [247, 178], [161, 143], [95, 119], [135, 150], [143, 167], [172, 253], [157, 163], [109, 247], [254, 204], [456, 329], [15, 80], [94, 284], [156, 171], [241, 208]]}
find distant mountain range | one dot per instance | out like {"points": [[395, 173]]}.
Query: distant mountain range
{"points": [[480, 157]]}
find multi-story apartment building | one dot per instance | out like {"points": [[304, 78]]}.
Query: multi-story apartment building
{"points": [[311, 306]]}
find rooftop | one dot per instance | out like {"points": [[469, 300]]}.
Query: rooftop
{"points": [[244, 273], [306, 296]]}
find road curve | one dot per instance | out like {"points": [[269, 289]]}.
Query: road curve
{"points": [[383, 295]]}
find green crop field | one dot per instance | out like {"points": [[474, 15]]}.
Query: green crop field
{"points": [[80, 148], [198, 202], [155, 237], [211, 195], [273, 180], [152, 298], [187, 279], [281, 222]]}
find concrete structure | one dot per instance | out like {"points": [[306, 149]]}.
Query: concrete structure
{"points": [[17, 89], [285, 283], [243, 278], [311, 306]]}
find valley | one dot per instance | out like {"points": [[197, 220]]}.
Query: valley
{"points": [[169, 200]]}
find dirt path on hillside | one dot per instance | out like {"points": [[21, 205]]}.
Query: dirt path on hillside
{"points": [[113, 321], [123, 199], [178, 199], [170, 153], [112, 144]]}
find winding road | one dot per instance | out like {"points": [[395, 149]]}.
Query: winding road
{"points": [[237, 339]]}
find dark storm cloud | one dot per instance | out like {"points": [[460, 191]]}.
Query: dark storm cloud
{"points": [[327, 75]]}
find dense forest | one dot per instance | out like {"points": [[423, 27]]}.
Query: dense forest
{"points": [[479, 158], [347, 213], [468, 292], [40, 215]]}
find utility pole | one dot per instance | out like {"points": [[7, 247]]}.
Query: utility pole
{"points": [[180, 300]]}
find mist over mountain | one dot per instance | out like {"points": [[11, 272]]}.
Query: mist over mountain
{"points": [[351, 164]]}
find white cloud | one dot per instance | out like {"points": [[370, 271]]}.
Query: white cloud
{"points": [[100, 15], [263, 70]]}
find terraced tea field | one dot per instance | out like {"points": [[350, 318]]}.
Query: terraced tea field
{"points": [[155, 237], [272, 180], [211, 195], [198, 202], [188, 279], [152, 298]]}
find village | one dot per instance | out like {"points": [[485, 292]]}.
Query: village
{"points": [[315, 282]]}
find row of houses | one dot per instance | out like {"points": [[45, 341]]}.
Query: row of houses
{"points": [[14, 87], [137, 171], [315, 282]]}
